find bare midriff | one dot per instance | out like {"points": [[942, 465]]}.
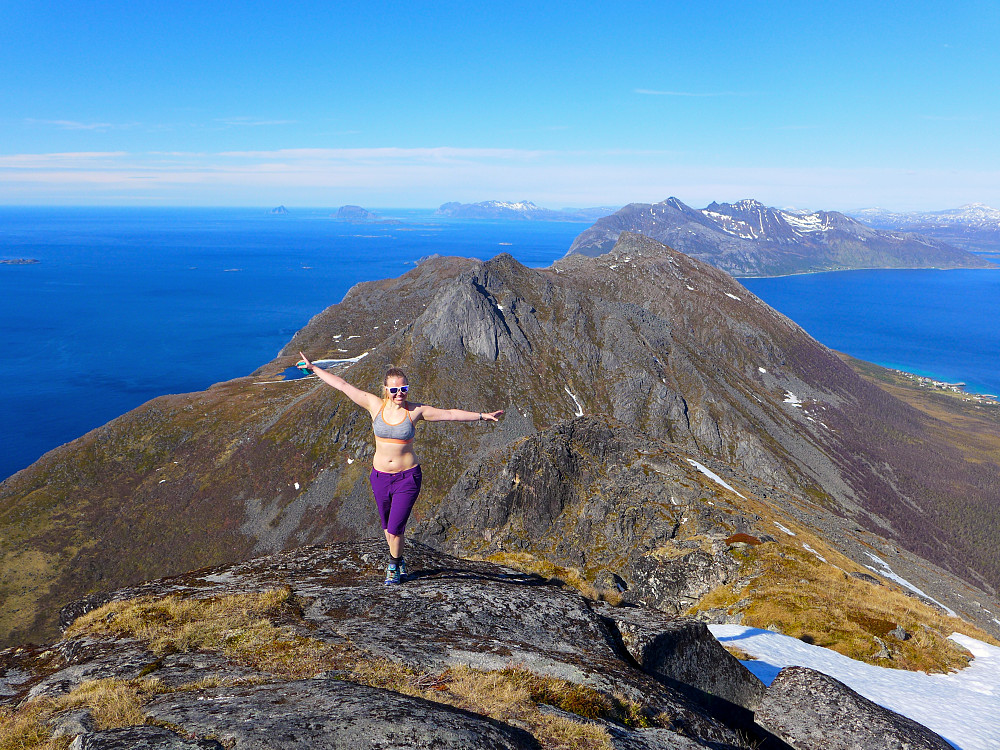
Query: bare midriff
{"points": [[392, 457]]}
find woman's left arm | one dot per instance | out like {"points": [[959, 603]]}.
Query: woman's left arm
{"points": [[433, 414]]}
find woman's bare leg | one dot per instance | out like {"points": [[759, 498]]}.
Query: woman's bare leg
{"points": [[395, 544]]}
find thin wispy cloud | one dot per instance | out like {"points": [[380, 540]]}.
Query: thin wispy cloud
{"points": [[76, 125], [950, 118], [68, 160], [252, 122], [334, 176], [695, 94]]}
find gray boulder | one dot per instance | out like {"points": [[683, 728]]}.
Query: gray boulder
{"points": [[813, 711], [328, 714], [139, 738], [682, 652]]}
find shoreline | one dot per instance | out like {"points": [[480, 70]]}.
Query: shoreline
{"points": [[958, 389]]}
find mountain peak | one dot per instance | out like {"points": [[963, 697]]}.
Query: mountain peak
{"points": [[747, 238]]}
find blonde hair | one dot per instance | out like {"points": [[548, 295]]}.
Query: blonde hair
{"points": [[393, 372]]}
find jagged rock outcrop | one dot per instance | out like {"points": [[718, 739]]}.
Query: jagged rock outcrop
{"points": [[684, 654], [802, 706], [592, 493]]}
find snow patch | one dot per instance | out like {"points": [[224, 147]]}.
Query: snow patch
{"points": [[733, 296], [762, 371], [713, 476], [886, 572], [791, 398], [953, 705], [579, 409], [807, 548], [296, 485], [785, 529]]}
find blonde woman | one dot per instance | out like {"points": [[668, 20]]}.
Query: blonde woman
{"points": [[395, 476]]}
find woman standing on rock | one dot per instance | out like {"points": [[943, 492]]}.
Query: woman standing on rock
{"points": [[395, 477]]}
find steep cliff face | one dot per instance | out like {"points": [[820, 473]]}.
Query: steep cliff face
{"points": [[666, 345]]}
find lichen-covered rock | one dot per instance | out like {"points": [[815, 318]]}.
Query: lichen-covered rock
{"points": [[450, 613], [140, 738], [327, 714], [813, 711]]}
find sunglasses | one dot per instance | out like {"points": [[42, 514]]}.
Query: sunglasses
{"points": [[401, 389]]}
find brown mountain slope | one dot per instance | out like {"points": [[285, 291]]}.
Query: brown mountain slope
{"points": [[661, 342]]}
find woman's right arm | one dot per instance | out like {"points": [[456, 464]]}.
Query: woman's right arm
{"points": [[364, 399]]}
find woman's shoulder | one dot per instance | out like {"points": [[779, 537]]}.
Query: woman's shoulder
{"points": [[416, 409]]}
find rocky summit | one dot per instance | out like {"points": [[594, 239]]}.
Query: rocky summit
{"points": [[683, 375], [308, 649]]}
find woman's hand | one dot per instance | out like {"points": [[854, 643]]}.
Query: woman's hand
{"points": [[492, 416], [304, 364]]}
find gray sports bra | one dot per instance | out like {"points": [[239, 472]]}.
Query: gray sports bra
{"points": [[401, 432]]}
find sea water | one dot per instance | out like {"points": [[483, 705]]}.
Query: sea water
{"points": [[940, 324], [129, 304]]}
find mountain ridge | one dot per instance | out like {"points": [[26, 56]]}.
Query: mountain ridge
{"points": [[748, 238], [645, 335], [974, 226]]}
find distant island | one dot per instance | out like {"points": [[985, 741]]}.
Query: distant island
{"points": [[19, 261], [359, 215], [279, 211], [520, 210]]}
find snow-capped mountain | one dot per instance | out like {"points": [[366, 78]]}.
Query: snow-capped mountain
{"points": [[520, 210], [973, 227], [977, 216], [748, 238]]}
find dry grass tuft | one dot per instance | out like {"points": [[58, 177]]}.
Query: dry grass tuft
{"points": [[112, 703], [793, 592], [23, 730]]}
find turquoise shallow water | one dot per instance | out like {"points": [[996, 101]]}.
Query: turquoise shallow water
{"points": [[942, 324], [129, 304]]}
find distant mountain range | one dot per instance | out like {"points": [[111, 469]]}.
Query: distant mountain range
{"points": [[974, 227], [520, 210], [750, 239]]}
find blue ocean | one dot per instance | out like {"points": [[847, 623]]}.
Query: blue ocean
{"points": [[128, 304]]}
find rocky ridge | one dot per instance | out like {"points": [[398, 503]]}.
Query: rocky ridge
{"points": [[308, 649], [644, 336], [750, 239]]}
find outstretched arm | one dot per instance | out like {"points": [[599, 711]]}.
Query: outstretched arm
{"points": [[364, 399], [433, 414]]}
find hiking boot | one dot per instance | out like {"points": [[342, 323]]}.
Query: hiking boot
{"points": [[402, 570], [391, 575]]}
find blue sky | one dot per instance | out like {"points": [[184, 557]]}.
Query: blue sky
{"points": [[814, 105]]}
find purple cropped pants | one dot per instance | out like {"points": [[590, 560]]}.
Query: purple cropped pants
{"points": [[395, 495]]}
